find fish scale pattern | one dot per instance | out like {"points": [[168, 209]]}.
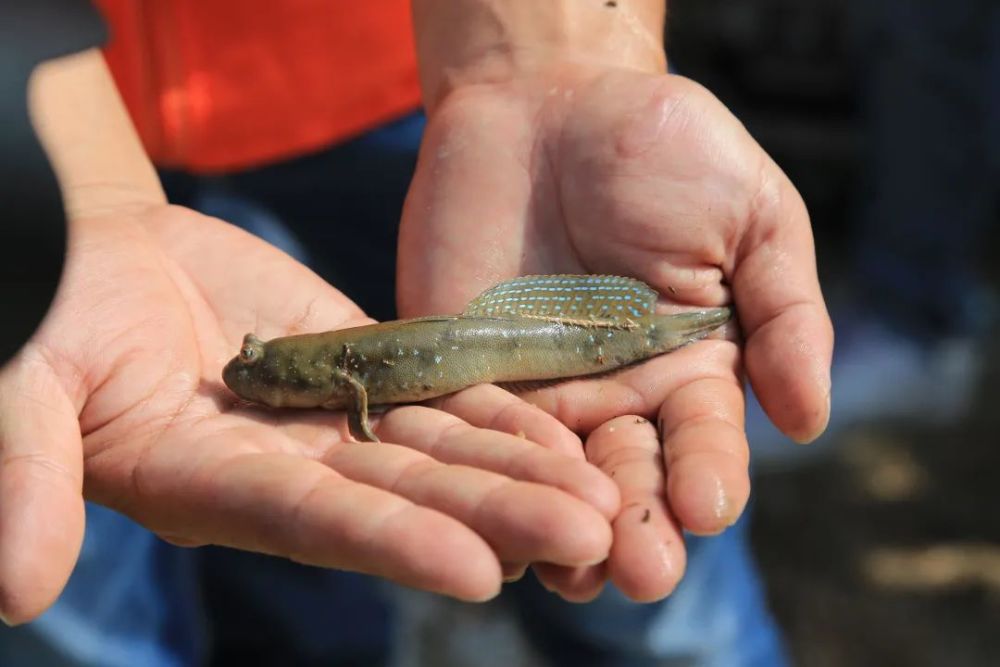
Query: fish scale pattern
{"points": [[607, 298]]}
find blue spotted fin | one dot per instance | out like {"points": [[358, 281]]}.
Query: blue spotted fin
{"points": [[579, 298]]}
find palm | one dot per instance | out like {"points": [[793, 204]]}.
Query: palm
{"points": [[647, 176], [131, 355]]}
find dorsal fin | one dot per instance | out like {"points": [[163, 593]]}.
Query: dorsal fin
{"points": [[571, 297]]}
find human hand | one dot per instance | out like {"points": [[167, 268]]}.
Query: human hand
{"points": [[588, 168], [119, 395]]}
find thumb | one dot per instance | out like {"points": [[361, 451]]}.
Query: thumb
{"points": [[41, 477], [463, 223]]}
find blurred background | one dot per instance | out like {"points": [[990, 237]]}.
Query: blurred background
{"points": [[882, 547], [880, 544]]}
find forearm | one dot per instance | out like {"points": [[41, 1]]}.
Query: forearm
{"points": [[462, 42], [88, 136]]}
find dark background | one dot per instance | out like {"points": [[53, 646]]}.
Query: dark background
{"points": [[886, 551]]}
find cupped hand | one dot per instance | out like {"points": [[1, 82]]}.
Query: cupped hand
{"points": [[597, 170], [119, 395]]}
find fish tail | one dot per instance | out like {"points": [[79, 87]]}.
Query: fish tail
{"points": [[679, 329]]}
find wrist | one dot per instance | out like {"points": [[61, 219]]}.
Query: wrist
{"points": [[472, 42]]}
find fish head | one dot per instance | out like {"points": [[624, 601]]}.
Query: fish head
{"points": [[250, 374], [285, 372]]}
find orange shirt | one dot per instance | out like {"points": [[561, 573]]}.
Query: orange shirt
{"points": [[223, 84]]}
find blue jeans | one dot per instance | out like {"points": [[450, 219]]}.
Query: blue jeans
{"points": [[717, 617], [134, 600]]}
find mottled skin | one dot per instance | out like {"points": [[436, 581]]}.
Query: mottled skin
{"points": [[412, 360]]}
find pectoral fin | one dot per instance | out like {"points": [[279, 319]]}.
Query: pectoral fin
{"points": [[357, 416]]}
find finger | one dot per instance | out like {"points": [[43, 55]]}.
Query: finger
{"points": [[585, 404], [789, 336], [705, 450], [41, 501], [647, 557], [523, 522], [450, 440], [574, 584], [751, 226], [471, 160], [489, 406], [218, 488]]}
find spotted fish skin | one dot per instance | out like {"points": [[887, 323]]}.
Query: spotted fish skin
{"points": [[527, 329]]}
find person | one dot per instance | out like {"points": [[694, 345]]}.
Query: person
{"points": [[589, 158]]}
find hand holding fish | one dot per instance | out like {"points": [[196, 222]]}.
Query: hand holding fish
{"points": [[118, 399], [592, 169]]}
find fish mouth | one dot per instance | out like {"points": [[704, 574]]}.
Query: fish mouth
{"points": [[234, 376]]}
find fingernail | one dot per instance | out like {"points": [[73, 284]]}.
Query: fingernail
{"points": [[712, 507], [734, 510], [828, 383], [826, 419], [517, 575], [819, 430], [722, 506]]}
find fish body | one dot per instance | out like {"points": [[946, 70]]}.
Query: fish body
{"points": [[529, 329]]}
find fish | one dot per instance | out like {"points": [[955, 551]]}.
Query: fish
{"points": [[525, 330]]}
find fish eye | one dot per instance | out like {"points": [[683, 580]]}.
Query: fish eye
{"points": [[249, 354]]}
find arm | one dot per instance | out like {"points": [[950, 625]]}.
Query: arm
{"points": [[86, 132], [468, 42]]}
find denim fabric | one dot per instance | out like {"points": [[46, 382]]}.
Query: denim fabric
{"points": [[134, 600], [267, 611], [717, 617]]}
